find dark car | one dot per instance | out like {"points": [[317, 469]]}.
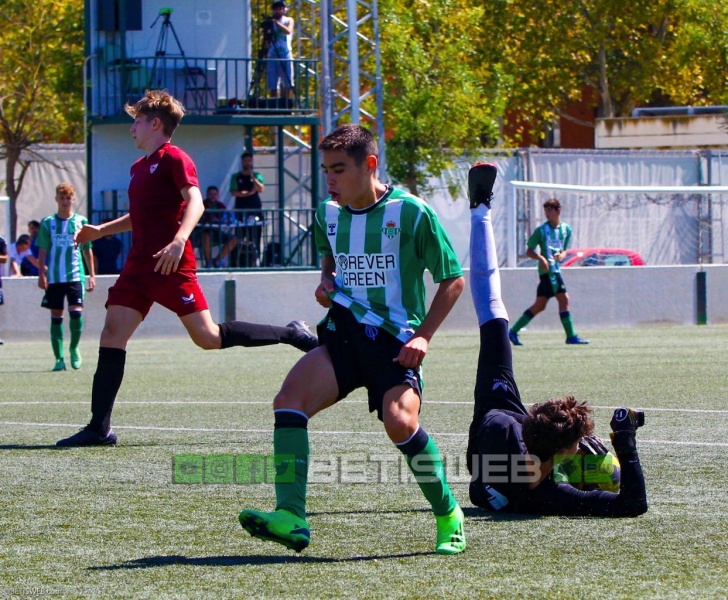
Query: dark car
{"points": [[595, 257]]}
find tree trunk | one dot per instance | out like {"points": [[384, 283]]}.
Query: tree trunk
{"points": [[11, 161], [606, 110], [411, 179]]}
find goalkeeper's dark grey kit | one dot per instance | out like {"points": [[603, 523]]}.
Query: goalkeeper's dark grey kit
{"points": [[495, 444]]}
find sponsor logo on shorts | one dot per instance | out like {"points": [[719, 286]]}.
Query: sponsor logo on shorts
{"points": [[371, 332], [188, 299]]}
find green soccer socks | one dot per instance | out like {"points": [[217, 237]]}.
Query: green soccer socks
{"points": [[423, 459], [568, 322], [287, 524], [291, 452], [426, 465], [523, 320], [57, 337], [76, 327]]}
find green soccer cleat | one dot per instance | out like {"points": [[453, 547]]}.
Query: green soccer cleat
{"points": [[60, 365], [450, 534], [76, 360], [279, 526]]}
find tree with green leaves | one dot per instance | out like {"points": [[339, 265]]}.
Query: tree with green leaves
{"points": [[555, 51], [637, 53], [41, 85], [439, 97], [699, 59]]}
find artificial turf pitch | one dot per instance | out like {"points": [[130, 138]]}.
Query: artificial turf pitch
{"points": [[116, 523]]}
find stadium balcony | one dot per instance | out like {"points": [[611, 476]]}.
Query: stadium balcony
{"points": [[212, 88]]}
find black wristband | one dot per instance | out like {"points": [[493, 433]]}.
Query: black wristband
{"points": [[624, 442]]}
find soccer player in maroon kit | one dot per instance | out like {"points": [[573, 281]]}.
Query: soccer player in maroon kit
{"points": [[165, 204]]}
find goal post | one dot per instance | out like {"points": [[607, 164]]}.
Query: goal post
{"points": [[666, 224]]}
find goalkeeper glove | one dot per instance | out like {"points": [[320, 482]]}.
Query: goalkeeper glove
{"points": [[624, 424], [627, 419]]}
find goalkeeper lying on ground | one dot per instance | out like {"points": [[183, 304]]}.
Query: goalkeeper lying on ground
{"points": [[511, 451]]}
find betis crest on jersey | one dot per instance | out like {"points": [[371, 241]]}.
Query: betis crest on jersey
{"points": [[391, 229]]}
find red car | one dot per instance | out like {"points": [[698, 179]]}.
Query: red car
{"points": [[595, 257], [602, 257]]}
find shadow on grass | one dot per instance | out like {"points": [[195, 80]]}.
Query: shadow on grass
{"points": [[27, 447], [479, 514], [241, 561]]}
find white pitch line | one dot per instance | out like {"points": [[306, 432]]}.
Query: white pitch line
{"points": [[315, 432], [270, 403]]}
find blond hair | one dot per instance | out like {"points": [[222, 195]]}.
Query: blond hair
{"points": [[160, 104], [65, 189]]}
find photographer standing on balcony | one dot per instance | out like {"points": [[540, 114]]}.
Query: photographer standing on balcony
{"points": [[246, 187], [278, 33]]}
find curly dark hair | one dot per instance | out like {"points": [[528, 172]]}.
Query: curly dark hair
{"points": [[556, 424], [552, 203]]}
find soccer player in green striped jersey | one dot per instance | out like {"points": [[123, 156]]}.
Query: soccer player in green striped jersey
{"points": [[62, 274], [376, 242], [552, 239]]}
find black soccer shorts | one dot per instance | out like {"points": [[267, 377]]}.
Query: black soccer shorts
{"points": [[56, 292], [362, 356]]}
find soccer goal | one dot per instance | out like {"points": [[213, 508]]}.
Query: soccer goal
{"points": [[666, 225]]}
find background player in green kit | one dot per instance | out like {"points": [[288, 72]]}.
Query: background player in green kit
{"points": [[552, 239], [375, 242], [62, 273]]}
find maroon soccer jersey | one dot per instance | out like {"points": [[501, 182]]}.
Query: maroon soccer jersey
{"points": [[156, 206]]}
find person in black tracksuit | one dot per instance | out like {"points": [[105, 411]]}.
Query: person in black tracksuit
{"points": [[503, 430]]}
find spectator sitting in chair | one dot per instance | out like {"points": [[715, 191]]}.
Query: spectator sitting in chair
{"points": [[212, 230], [18, 251], [29, 266]]}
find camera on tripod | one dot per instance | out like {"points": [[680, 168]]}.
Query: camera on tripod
{"points": [[268, 25]]}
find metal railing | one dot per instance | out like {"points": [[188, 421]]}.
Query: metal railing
{"points": [[244, 239], [206, 86]]}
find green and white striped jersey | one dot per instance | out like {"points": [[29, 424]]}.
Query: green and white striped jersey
{"points": [[381, 254], [63, 259], [550, 240]]}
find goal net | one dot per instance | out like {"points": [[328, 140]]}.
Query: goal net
{"points": [[667, 225]]}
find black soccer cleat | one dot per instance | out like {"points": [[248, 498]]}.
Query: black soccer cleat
{"points": [[303, 339], [481, 179], [88, 437]]}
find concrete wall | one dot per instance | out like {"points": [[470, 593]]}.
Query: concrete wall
{"points": [[669, 131], [602, 297]]}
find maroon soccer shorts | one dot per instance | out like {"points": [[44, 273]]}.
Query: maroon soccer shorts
{"points": [[179, 292]]}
